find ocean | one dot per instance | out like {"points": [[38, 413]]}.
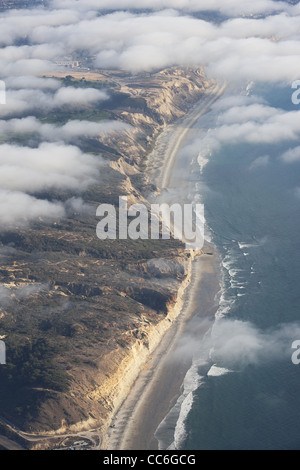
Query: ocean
{"points": [[243, 390]]}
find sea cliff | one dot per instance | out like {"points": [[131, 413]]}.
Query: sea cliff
{"points": [[105, 305]]}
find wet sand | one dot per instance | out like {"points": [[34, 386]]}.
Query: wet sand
{"points": [[159, 384]]}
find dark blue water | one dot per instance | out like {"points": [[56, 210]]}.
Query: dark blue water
{"points": [[254, 218]]}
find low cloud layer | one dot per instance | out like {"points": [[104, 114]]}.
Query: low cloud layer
{"points": [[257, 40], [51, 132], [292, 155], [18, 209], [24, 171], [234, 344], [230, 7], [244, 119], [241, 47], [237, 344], [27, 100], [48, 166]]}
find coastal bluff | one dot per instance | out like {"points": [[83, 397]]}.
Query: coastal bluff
{"points": [[104, 305]]}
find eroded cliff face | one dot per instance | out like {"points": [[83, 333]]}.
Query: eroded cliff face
{"points": [[102, 389], [160, 99], [103, 305]]}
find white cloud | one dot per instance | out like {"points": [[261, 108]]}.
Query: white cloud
{"points": [[32, 82], [291, 155], [18, 209], [78, 96], [78, 206], [260, 162], [231, 7], [240, 48], [241, 120], [22, 101], [259, 42], [237, 344], [48, 166], [68, 132], [240, 114]]}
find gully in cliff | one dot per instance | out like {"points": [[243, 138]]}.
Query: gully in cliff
{"points": [[186, 222]]}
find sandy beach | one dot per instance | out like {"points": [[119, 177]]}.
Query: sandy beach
{"points": [[159, 384]]}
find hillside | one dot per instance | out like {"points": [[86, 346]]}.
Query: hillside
{"points": [[77, 311]]}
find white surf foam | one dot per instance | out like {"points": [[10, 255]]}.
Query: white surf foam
{"points": [[216, 371], [203, 160], [191, 383]]}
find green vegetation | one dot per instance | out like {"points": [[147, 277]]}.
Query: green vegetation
{"points": [[62, 116], [19, 139], [83, 83], [30, 365], [87, 113]]}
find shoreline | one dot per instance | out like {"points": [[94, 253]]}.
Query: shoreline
{"points": [[150, 364], [159, 383]]}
